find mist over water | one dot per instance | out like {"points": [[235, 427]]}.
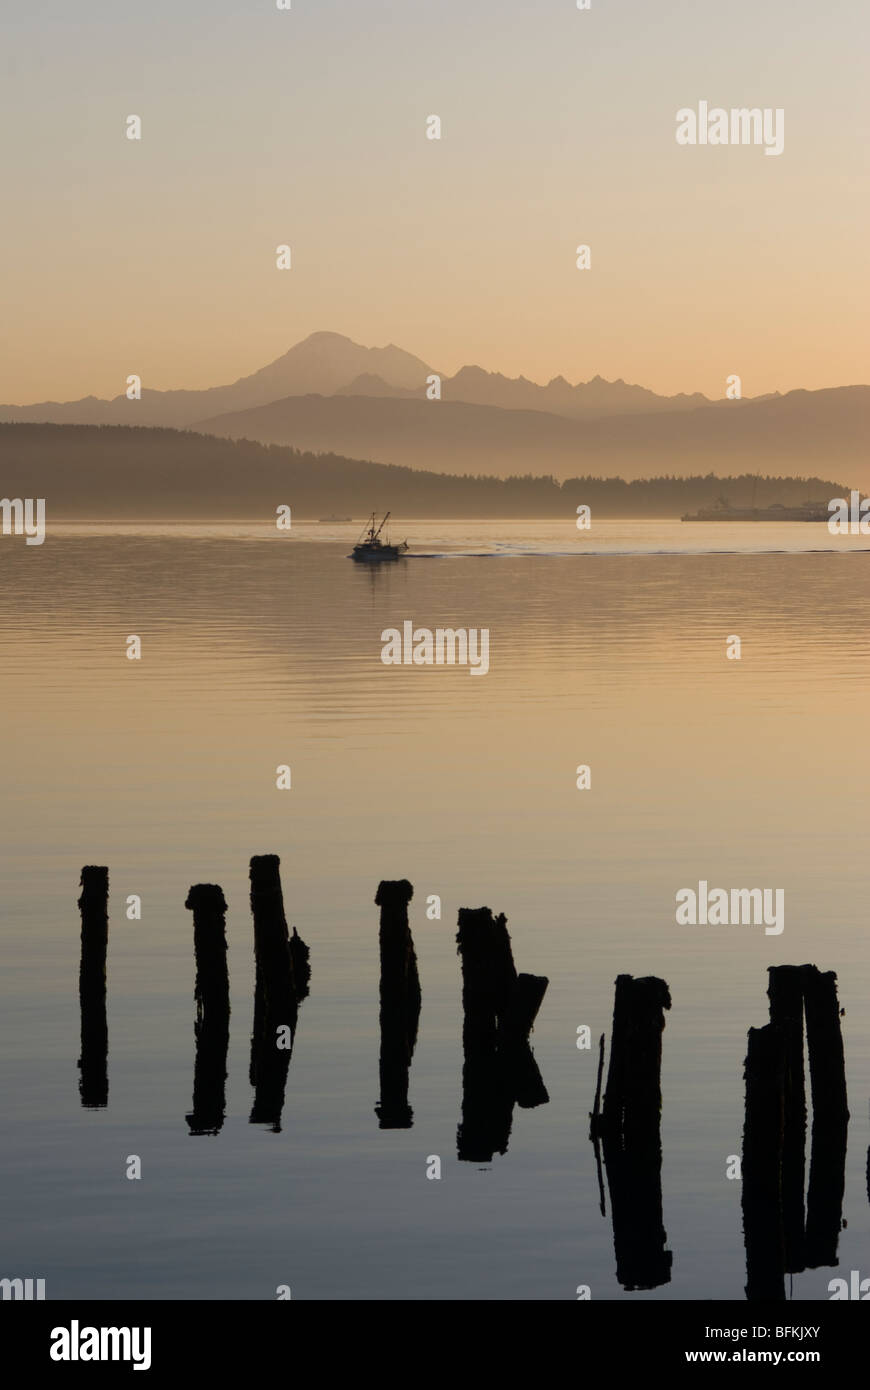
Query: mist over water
{"points": [[607, 648]]}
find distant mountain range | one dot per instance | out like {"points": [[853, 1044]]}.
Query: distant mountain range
{"points": [[330, 395], [586, 401], [814, 432], [322, 363], [327, 364]]}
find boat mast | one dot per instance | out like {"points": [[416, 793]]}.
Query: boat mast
{"points": [[368, 532], [372, 531]]}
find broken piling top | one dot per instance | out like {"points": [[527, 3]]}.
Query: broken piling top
{"points": [[825, 1047], [276, 986], [638, 1011], [94, 885], [206, 898], [94, 907], [803, 991], [267, 903], [212, 990], [633, 1089], [266, 883], [652, 995], [764, 1075], [400, 982], [397, 946], [785, 990], [488, 967], [207, 903], [393, 893], [392, 898]]}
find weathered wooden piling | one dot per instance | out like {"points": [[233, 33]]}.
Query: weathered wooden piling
{"points": [[499, 1005], [632, 1096], [499, 1009], [786, 994], [400, 983], [781, 1237], [629, 1127], [399, 1003], [763, 1145], [276, 992], [212, 988], [271, 936], [484, 1129], [212, 995], [93, 905], [830, 1117], [487, 970]]}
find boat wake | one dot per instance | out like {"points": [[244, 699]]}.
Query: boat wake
{"points": [[530, 552]]}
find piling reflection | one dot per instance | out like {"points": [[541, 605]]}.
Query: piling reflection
{"points": [[94, 1058]]}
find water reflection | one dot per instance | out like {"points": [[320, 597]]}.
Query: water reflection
{"points": [[94, 1059]]}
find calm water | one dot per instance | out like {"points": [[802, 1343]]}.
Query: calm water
{"points": [[258, 650]]}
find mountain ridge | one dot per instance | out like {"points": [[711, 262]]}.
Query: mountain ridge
{"points": [[328, 393], [329, 363], [801, 431]]}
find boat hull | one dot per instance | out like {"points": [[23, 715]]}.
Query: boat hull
{"points": [[367, 555]]}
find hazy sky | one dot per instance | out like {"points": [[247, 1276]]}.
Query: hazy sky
{"points": [[307, 127]]}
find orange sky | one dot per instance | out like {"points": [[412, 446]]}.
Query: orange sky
{"points": [[308, 127]]}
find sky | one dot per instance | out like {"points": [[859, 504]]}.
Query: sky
{"points": [[307, 127]]}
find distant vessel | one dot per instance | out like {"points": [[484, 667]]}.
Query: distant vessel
{"points": [[807, 511], [370, 547]]}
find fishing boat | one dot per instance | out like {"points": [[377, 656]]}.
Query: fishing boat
{"points": [[371, 548]]}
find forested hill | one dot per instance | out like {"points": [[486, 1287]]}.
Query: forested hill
{"points": [[117, 471]]}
